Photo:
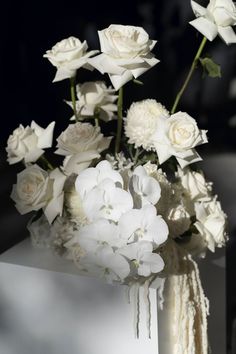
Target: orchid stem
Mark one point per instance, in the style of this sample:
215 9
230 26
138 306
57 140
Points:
73 96
119 120
190 73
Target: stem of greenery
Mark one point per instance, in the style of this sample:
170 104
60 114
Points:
119 120
190 73
73 96
46 162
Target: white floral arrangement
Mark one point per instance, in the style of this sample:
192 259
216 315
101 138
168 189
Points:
128 207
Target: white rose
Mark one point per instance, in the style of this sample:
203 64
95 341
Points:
95 98
36 189
195 184
28 143
81 137
67 56
126 53
142 122
81 143
177 136
216 19
211 223
178 221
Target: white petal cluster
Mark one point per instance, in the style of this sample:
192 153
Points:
126 53
142 121
81 143
149 125
217 19
67 56
28 144
95 98
121 238
211 223
37 189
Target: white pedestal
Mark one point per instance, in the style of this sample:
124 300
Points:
49 309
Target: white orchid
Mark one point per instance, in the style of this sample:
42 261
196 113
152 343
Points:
93 176
107 201
144 259
143 224
145 189
217 19
100 232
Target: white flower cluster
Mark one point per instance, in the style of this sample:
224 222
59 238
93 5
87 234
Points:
149 125
115 217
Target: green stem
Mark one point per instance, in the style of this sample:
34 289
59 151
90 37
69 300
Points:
119 120
46 162
190 73
73 96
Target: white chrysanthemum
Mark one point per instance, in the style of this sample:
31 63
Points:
142 120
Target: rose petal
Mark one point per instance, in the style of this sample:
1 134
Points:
227 34
198 9
205 27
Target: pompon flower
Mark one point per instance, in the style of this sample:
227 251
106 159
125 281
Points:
178 136
217 19
81 143
28 143
37 189
95 98
211 223
67 56
142 121
126 53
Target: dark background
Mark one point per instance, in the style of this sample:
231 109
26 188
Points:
29 28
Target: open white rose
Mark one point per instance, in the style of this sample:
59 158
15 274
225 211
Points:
27 144
67 56
177 136
37 189
142 121
81 143
95 98
217 19
126 53
211 223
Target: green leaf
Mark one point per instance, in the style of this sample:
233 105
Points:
210 67
138 82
